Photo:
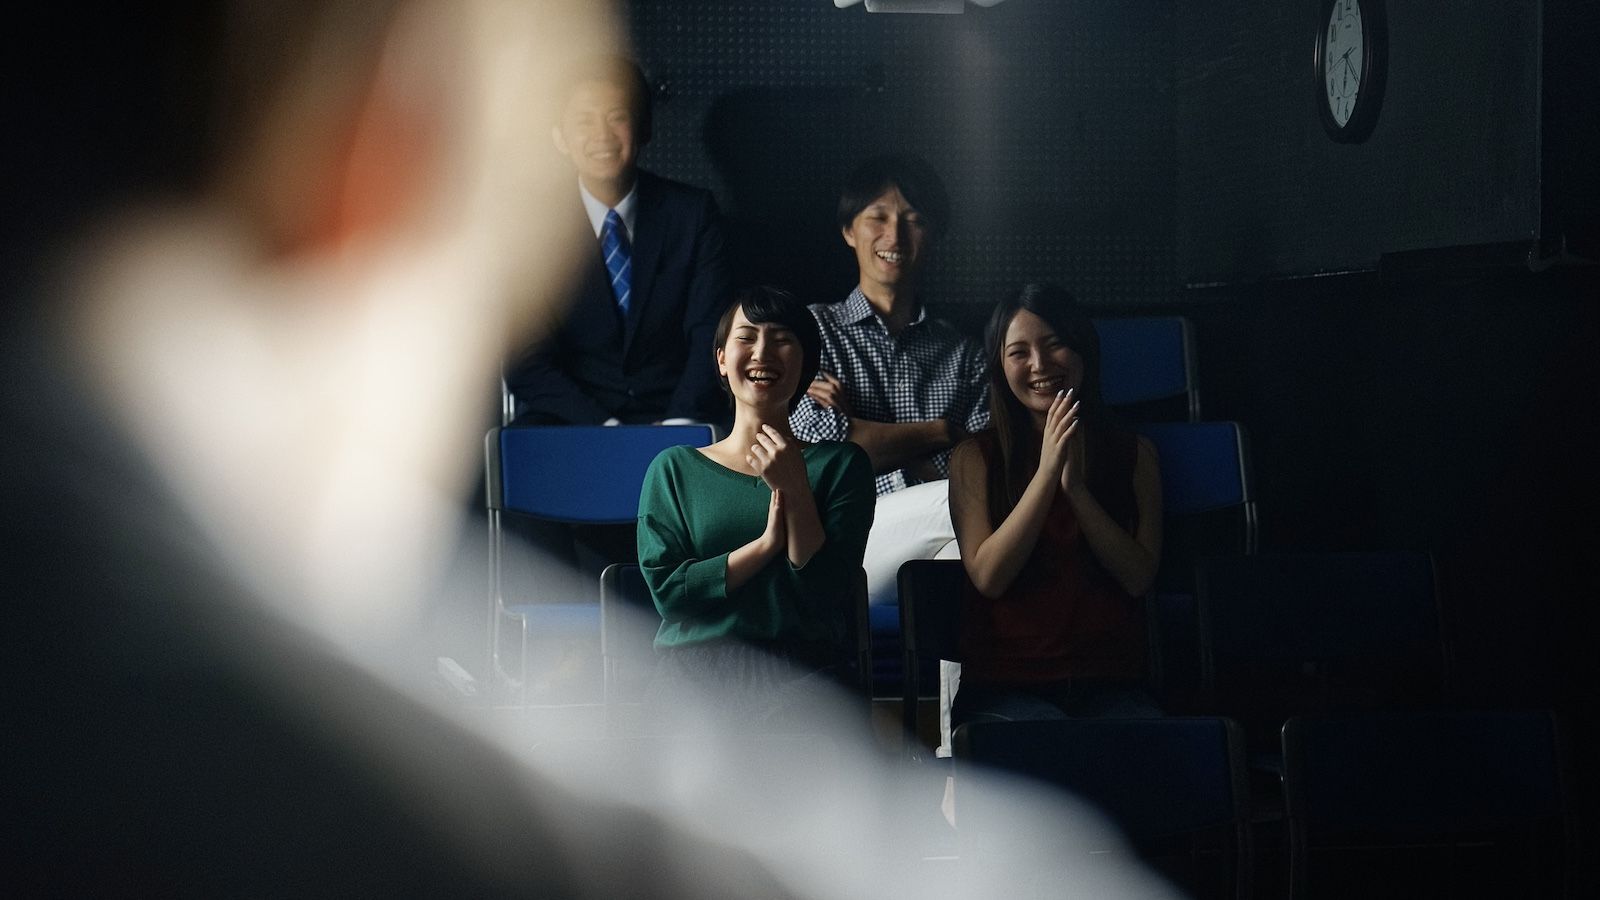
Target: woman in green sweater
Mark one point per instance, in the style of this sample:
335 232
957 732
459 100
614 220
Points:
752 546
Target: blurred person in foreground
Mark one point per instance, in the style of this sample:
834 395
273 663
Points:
229 470
230 475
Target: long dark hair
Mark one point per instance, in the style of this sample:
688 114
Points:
1012 423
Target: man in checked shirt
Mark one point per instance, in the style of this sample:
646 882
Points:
902 385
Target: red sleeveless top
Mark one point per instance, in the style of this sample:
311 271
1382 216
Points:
1064 616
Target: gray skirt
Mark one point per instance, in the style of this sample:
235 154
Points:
737 686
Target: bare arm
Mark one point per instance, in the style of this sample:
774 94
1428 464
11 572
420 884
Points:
895 445
1132 559
994 556
889 445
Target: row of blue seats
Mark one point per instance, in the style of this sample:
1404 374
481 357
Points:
593 475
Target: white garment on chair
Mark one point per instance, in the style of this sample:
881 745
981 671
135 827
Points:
949 683
913 523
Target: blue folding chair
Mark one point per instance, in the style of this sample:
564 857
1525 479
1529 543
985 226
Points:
1147 368
568 474
1175 787
1205 469
1209 507
1439 804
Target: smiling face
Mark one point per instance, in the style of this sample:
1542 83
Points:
762 364
1037 363
599 132
889 238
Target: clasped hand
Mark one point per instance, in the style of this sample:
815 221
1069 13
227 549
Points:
1061 455
777 460
781 465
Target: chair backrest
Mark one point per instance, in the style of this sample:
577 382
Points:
930 623
1404 781
1147 367
588 474
1207 497
1205 466
1159 780
571 474
1209 507
1292 633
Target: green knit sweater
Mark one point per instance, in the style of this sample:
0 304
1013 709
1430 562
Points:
693 512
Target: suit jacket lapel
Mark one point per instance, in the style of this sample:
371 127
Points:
648 238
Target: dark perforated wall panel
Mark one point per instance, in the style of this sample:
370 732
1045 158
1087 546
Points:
1051 123
1262 190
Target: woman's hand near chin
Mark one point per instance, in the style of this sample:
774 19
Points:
778 460
780 463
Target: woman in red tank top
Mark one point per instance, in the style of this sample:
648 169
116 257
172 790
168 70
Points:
1058 516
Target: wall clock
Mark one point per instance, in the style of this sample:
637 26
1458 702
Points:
1350 60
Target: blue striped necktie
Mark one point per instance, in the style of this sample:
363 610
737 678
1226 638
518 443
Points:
619 259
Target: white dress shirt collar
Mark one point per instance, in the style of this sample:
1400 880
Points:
627 209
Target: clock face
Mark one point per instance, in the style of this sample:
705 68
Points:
1350 55
1343 59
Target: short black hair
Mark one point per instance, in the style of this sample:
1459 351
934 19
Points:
624 73
916 179
766 305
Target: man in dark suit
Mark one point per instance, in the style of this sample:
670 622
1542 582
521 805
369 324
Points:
635 344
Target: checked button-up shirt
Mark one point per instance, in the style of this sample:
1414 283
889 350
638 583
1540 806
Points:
927 371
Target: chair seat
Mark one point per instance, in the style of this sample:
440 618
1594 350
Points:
888 656
1269 762
884 619
883 624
